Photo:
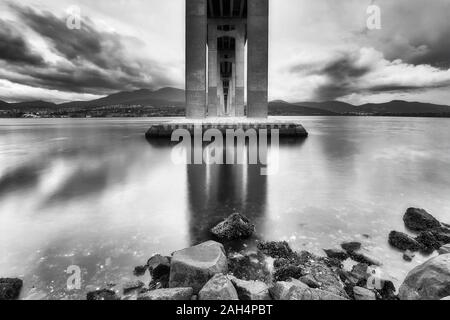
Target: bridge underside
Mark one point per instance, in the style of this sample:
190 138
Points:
225 27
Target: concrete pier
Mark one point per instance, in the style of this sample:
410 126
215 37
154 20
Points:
286 128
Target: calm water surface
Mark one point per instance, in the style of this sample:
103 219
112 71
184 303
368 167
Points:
96 194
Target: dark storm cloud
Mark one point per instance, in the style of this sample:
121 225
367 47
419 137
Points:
435 52
341 74
14 49
96 62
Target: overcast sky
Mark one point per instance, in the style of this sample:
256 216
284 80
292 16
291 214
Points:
319 50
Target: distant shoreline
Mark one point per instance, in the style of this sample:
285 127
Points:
113 116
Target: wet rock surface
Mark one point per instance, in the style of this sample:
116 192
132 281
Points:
234 227
429 281
403 242
291 265
194 267
218 288
249 266
338 254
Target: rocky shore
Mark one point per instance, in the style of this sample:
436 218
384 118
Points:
276 272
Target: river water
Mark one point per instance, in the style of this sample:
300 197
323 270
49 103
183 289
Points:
95 194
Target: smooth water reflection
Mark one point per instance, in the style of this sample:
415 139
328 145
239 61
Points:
96 194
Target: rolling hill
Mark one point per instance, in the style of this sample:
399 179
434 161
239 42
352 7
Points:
283 108
166 98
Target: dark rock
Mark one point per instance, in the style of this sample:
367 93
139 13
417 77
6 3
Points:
160 283
159 266
420 220
277 250
351 246
174 294
365 258
442 234
338 254
249 266
132 286
194 267
103 294
139 271
234 227
408 256
287 272
218 288
387 291
429 281
429 242
251 290
403 242
10 288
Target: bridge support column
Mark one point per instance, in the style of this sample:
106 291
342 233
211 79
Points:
240 72
196 36
258 58
213 100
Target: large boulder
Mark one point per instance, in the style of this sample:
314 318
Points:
10 288
181 294
218 288
403 242
420 220
234 227
429 281
194 267
251 290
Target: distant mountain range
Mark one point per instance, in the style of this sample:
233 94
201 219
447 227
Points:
172 97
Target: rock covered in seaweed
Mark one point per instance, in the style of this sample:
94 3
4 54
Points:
420 220
218 288
234 227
